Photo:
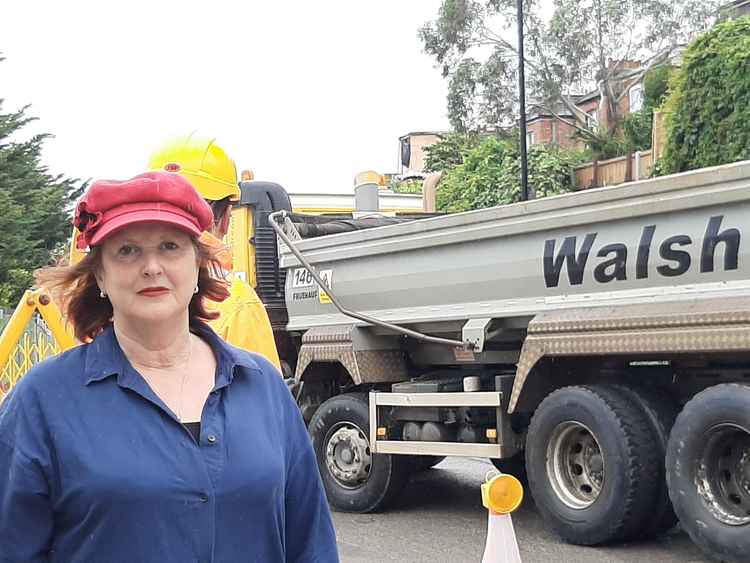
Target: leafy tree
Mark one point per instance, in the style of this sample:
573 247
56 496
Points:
637 126
35 207
709 107
490 175
408 186
587 45
656 85
449 151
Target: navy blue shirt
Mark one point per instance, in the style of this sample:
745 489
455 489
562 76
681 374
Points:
94 468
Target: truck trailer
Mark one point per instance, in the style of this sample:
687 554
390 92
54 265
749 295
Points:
596 342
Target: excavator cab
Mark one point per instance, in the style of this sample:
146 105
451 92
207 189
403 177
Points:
255 254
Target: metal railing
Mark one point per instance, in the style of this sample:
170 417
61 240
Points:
35 331
35 345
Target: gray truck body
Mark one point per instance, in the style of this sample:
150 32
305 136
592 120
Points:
559 337
670 239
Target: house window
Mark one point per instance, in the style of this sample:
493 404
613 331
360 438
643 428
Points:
636 98
592 118
530 138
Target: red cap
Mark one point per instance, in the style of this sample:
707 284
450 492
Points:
110 205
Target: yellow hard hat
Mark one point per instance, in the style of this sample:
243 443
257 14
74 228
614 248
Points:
203 162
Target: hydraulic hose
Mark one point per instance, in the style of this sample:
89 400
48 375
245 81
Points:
278 217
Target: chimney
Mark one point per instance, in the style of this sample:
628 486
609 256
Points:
366 191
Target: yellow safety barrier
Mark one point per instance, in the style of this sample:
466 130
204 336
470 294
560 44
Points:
23 343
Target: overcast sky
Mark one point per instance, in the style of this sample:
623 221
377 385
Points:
305 93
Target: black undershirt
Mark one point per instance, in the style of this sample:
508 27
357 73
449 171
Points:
194 428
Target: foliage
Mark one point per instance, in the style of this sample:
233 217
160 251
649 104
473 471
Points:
633 132
34 205
490 175
656 85
636 128
408 186
709 107
604 145
449 151
473 42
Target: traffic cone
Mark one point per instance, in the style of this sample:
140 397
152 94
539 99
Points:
501 495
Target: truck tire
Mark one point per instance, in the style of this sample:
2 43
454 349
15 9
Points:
708 470
355 480
591 464
661 411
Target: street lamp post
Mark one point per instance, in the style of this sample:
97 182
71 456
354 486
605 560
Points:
522 99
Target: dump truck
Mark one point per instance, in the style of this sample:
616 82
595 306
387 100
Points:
596 343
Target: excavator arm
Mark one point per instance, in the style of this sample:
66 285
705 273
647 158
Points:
20 346
19 349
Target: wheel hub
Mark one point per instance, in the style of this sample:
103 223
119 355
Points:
575 465
348 456
723 474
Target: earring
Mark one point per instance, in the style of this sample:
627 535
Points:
102 294
196 289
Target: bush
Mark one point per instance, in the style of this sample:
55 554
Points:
449 151
490 175
410 186
656 86
15 282
636 128
710 101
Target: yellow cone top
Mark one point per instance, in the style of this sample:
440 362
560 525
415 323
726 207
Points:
502 494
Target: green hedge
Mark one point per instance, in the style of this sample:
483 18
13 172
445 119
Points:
710 101
490 175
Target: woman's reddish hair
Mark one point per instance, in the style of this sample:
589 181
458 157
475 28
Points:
75 290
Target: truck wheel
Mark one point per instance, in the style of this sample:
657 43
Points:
591 464
708 470
355 479
661 411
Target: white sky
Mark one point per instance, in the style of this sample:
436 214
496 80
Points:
306 94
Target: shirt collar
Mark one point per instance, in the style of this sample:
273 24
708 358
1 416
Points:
105 358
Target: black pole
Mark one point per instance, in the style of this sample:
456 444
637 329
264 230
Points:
522 99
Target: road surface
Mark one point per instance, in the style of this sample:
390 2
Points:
440 518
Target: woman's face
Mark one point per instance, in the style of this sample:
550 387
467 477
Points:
149 272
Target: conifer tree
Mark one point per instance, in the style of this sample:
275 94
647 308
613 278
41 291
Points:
35 206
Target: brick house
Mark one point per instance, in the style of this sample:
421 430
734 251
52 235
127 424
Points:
412 155
544 128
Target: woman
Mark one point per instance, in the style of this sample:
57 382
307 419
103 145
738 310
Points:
155 441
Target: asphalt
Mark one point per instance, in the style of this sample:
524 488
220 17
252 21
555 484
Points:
440 518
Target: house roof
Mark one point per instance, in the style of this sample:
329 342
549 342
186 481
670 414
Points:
420 133
536 110
588 97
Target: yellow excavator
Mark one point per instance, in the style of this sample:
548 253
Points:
37 328
254 259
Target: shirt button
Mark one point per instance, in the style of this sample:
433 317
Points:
203 498
211 439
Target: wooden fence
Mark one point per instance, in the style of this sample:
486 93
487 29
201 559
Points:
636 166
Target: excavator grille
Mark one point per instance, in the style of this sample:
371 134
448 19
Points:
35 331
35 344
